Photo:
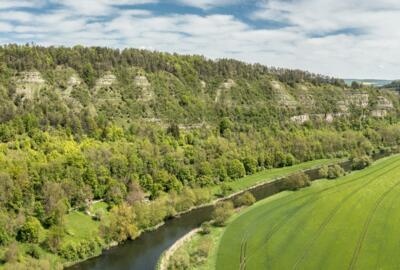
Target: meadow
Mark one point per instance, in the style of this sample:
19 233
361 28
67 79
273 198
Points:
348 223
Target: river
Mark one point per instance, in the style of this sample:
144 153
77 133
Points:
144 252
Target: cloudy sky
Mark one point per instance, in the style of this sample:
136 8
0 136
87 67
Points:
343 38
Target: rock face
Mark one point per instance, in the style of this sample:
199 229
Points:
106 81
300 119
382 107
143 83
358 99
225 86
74 80
28 83
379 113
384 104
282 96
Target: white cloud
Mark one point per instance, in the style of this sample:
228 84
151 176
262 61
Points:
319 35
205 4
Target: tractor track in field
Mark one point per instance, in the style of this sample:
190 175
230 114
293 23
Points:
278 225
330 216
334 187
396 159
243 250
364 232
385 229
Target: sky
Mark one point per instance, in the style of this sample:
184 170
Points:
340 38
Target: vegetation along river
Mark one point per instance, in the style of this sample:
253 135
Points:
144 252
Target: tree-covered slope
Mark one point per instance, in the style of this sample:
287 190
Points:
118 127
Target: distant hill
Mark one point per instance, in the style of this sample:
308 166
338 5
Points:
368 82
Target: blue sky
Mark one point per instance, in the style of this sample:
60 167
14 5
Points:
348 38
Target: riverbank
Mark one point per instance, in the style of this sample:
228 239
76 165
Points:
251 182
191 246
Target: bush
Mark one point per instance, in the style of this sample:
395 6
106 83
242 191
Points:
236 169
30 231
335 171
360 163
205 228
33 251
12 254
180 261
225 189
201 253
245 199
222 212
323 172
77 251
296 181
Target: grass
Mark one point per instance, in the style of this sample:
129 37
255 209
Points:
348 223
271 174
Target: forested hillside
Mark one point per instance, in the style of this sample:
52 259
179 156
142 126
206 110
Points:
121 127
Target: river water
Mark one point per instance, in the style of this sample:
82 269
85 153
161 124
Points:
144 252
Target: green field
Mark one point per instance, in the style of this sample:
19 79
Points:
349 223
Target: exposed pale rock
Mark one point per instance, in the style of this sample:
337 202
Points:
28 83
300 119
143 83
384 103
379 113
106 81
74 80
225 86
358 99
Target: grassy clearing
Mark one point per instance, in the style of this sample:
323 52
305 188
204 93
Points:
348 223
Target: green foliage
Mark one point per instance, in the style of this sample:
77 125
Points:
30 231
236 169
168 142
362 162
245 199
122 224
335 171
296 181
222 212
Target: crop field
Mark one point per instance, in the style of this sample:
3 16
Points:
349 223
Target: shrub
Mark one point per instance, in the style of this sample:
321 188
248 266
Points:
296 181
12 254
180 261
222 212
30 231
323 172
201 252
245 199
33 251
225 189
202 196
335 171
205 228
236 169
360 163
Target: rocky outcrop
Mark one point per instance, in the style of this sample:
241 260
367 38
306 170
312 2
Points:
282 96
379 113
358 99
106 81
29 82
143 83
300 119
225 86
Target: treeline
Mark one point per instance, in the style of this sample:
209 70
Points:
93 61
